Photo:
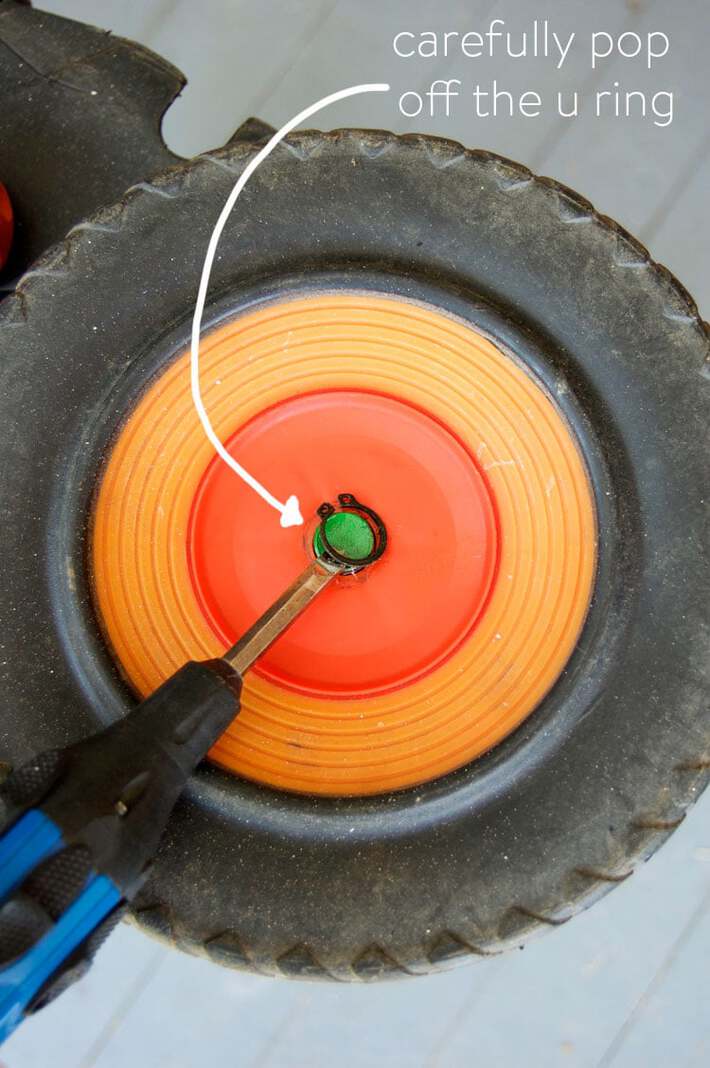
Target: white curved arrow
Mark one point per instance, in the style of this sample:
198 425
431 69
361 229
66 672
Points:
290 511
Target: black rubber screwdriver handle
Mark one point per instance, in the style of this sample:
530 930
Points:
116 790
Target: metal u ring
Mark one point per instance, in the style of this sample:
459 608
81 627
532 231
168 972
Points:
349 503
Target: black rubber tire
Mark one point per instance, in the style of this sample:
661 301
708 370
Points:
79 123
607 765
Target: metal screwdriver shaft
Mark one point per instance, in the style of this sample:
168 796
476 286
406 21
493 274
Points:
345 542
279 616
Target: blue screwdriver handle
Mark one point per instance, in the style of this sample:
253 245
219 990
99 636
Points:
30 841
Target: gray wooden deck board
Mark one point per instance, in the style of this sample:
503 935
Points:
626 167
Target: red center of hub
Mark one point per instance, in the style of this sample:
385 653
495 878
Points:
397 620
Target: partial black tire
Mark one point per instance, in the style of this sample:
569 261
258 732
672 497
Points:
80 122
607 765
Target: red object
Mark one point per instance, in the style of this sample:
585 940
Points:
6 225
395 622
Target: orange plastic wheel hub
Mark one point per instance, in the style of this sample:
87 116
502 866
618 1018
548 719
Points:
367 634
443 647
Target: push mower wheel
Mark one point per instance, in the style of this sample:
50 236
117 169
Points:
591 782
